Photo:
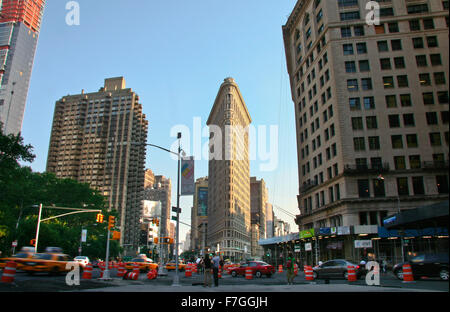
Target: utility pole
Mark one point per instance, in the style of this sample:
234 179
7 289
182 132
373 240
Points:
176 280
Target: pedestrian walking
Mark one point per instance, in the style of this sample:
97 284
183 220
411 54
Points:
207 270
216 263
290 269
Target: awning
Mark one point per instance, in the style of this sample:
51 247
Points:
423 217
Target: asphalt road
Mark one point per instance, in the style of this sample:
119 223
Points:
43 282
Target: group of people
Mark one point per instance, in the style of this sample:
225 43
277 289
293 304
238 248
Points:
208 263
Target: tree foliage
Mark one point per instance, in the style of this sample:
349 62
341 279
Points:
21 192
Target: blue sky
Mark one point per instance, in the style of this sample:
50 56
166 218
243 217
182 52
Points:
175 54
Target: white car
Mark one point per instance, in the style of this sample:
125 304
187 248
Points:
82 260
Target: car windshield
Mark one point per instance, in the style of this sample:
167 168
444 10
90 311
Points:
419 258
137 260
80 258
42 256
263 263
21 255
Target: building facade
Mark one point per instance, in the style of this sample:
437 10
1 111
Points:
161 191
199 216
20 23
269 221
371 108
149 179
258 203
229 224
91 142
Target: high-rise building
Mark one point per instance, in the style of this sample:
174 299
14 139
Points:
269 220
91 141
20 22
149 179
371 108
161 191
199 215
229 228
258 202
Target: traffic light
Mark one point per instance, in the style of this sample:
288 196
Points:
99 218
156 240
157 222
33 242
116 235
111 222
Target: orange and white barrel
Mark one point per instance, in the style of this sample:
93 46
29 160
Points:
308 273
87 272
280 268
248 274
351 273
407 274
9 272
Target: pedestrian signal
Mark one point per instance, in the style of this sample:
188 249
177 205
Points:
99 218
111 222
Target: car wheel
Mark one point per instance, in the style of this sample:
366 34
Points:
346 275
315 276
258 274
233 273
443 274
399 274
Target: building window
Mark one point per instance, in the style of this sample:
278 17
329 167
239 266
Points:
359 144
388 82
393 27
442 184
378 188
435 59
371 122
379 29
348 16
402 81
432 42
364 66
366 84
405 100
414 25
397 141
435 139
386 12
361 48
414 162
421 61
432 118
428 98
418 43
355 103
357 123
443 97
385 64
348 49
359 30
394 121
425 79
391 101
417 8
383 46
363 188
439 78
346 32
408 120
399 62
411 141
396 45
402 186
350 67
428 23
418 187
352 85
445 117
374 143
399 162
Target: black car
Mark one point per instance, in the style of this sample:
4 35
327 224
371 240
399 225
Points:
337 268
425 265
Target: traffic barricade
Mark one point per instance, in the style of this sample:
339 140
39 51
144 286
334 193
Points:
122 270
220 272
351 273
248 274
407 274
280 268
187 270
152 274
295 269
9 272
87 272
308 273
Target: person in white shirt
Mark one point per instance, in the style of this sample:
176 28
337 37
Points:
216 264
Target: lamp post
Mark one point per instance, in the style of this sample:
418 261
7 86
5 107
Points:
176 278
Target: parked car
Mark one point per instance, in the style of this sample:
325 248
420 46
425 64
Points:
425 265
259 268
53 263
145 264
337 268
82 260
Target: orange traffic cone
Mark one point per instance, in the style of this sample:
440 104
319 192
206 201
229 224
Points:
407 274
248 274
280 268
9 272
87 272
308 273
351 273
187 271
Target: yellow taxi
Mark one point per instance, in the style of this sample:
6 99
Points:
53 263
171 265
24 254
145 264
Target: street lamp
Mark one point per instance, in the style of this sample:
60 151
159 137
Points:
176 280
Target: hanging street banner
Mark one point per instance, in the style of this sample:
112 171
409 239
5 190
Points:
187 176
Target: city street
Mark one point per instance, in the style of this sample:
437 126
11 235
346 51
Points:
277 283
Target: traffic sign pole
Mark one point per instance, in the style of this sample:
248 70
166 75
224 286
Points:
106 272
